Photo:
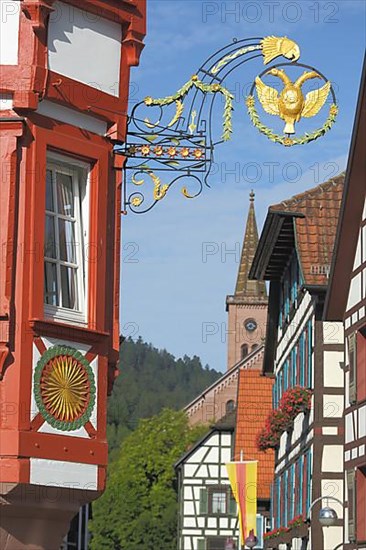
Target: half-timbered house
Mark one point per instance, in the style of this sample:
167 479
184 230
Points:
208 515
347 302
207 510
302 352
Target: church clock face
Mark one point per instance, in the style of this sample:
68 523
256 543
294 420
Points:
250 325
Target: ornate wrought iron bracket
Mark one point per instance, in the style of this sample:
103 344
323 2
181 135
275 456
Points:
172 139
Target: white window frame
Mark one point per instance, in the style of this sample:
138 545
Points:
80 173
222 494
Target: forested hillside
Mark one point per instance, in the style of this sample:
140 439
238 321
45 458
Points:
150 380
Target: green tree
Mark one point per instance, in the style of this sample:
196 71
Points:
149 380
139 508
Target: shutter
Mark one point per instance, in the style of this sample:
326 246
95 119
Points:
232 504
278 502
292 493
309 354
351 489
260 531
201 544
301 483
203 502
309 467
352 360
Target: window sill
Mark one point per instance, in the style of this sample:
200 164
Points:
56 329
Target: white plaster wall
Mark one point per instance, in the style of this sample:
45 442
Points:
189 470
354 292
189 522
293 331
330 430
213 471
202 471
6 100
334 488
9 32
71 116
333 536
85 47
295 435
358 255
213 441
187 493
333 333
213 455
63 474
349 430
188 509
332 459
333 372
197 456
333 406
362 422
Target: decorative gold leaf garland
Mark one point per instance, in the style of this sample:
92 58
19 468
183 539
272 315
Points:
225 60
205 88
284 140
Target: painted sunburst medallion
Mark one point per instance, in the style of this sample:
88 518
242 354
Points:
64 388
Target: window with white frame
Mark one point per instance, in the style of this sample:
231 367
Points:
66 223
218 501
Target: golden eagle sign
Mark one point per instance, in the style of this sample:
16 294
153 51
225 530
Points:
176 135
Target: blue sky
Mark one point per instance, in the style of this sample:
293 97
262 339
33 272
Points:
170 290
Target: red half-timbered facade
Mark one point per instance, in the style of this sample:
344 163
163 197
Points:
347 302
63 101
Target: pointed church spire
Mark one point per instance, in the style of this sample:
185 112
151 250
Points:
245 288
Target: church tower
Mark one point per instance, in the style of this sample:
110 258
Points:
247 308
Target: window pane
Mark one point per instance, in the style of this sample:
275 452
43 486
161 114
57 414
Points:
219 503
49 238
49 192
50 284
68 287
67 241
65 198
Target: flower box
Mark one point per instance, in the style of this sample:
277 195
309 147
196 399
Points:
294 401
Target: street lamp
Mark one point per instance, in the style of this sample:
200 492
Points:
327 516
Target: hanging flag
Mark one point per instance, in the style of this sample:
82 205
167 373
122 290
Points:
243 481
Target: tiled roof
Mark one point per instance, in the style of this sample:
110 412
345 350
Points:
315 232
253 407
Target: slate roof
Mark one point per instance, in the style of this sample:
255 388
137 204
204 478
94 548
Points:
254 405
